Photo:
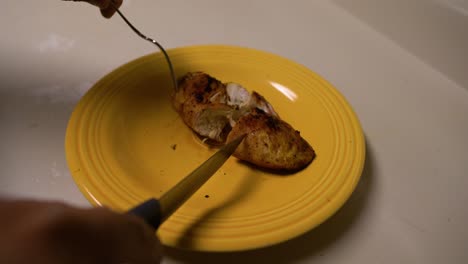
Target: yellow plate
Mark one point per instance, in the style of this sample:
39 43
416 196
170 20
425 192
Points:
125 143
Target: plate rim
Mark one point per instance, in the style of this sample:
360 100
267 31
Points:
361 147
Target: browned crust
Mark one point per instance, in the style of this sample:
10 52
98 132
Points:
271 142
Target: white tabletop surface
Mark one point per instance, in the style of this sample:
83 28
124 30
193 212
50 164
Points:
403 71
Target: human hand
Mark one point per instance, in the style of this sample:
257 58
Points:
107 10
53 233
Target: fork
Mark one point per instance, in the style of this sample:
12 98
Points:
161 48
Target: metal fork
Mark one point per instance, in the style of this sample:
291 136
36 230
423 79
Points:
171 69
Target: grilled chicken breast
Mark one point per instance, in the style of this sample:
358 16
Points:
221 112
201 102
270 142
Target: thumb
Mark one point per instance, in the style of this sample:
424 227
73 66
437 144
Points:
108 7
102 4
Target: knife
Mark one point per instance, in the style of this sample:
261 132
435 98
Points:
156 211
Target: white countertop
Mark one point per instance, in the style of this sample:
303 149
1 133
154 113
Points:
401 66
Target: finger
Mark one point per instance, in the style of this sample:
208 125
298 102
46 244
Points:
109 10
130 239
139 244
102 4
99 3
106 236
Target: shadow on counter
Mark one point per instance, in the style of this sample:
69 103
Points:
310 245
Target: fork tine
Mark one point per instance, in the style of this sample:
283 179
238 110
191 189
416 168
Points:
161 48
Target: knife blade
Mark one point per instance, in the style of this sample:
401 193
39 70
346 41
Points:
156 211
